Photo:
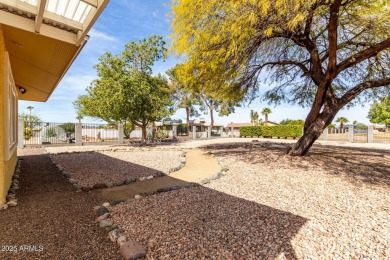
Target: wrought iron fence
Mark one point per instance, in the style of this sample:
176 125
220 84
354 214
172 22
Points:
382 135
39 133
99 133
360 135
337 134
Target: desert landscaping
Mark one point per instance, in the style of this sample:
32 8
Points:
332 203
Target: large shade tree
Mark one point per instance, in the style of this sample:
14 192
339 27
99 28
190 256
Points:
325 54
126 91
380 112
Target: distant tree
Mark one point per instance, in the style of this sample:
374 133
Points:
292 122
323 54
254 115
331 126
209 105
342 121
79 117
125 91
360 126
30 122
182 95
380 112
265 112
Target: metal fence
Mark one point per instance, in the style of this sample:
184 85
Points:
99 133
337 134
360 135
382 136
38 133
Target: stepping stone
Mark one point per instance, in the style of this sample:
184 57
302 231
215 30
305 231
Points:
132 250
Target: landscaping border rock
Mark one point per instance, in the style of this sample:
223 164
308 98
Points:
11 200
127 248
79 187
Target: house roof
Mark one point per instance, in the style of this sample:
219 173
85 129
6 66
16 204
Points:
237 125
272 123
43 38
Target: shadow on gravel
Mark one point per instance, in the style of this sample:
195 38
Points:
198 222
371 166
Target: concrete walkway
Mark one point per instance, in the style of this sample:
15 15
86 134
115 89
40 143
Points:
199 165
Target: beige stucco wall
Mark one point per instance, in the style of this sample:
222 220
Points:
6 167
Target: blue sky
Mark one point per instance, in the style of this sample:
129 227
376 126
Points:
123 21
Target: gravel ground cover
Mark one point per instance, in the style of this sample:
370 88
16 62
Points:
90 168
52 220
332 204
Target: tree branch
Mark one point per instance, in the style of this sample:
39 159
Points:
363 55
355 91
332 39
282 63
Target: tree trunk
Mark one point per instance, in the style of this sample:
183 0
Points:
144 133
312 132
188 119
266 118
211 118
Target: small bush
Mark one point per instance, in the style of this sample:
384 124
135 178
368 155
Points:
182 129
28 133
161 134
271 131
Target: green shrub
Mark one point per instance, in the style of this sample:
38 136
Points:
68 127
50 132
28 133
251 131
161 134
271 131
182 129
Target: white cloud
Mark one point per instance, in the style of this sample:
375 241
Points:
155 13
101 35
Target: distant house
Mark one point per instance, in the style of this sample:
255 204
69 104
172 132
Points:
237 126
233 129
270 123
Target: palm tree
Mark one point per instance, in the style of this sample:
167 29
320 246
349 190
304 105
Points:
254 117
342 121
266 111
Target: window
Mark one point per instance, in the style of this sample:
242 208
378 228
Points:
10 111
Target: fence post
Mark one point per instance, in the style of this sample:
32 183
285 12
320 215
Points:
20 132
209 132
350 133
78 133
120 133
231 132
174 128
221 130
325 134
193 132
370 134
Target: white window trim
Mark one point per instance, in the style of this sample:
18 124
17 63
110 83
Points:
10 111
